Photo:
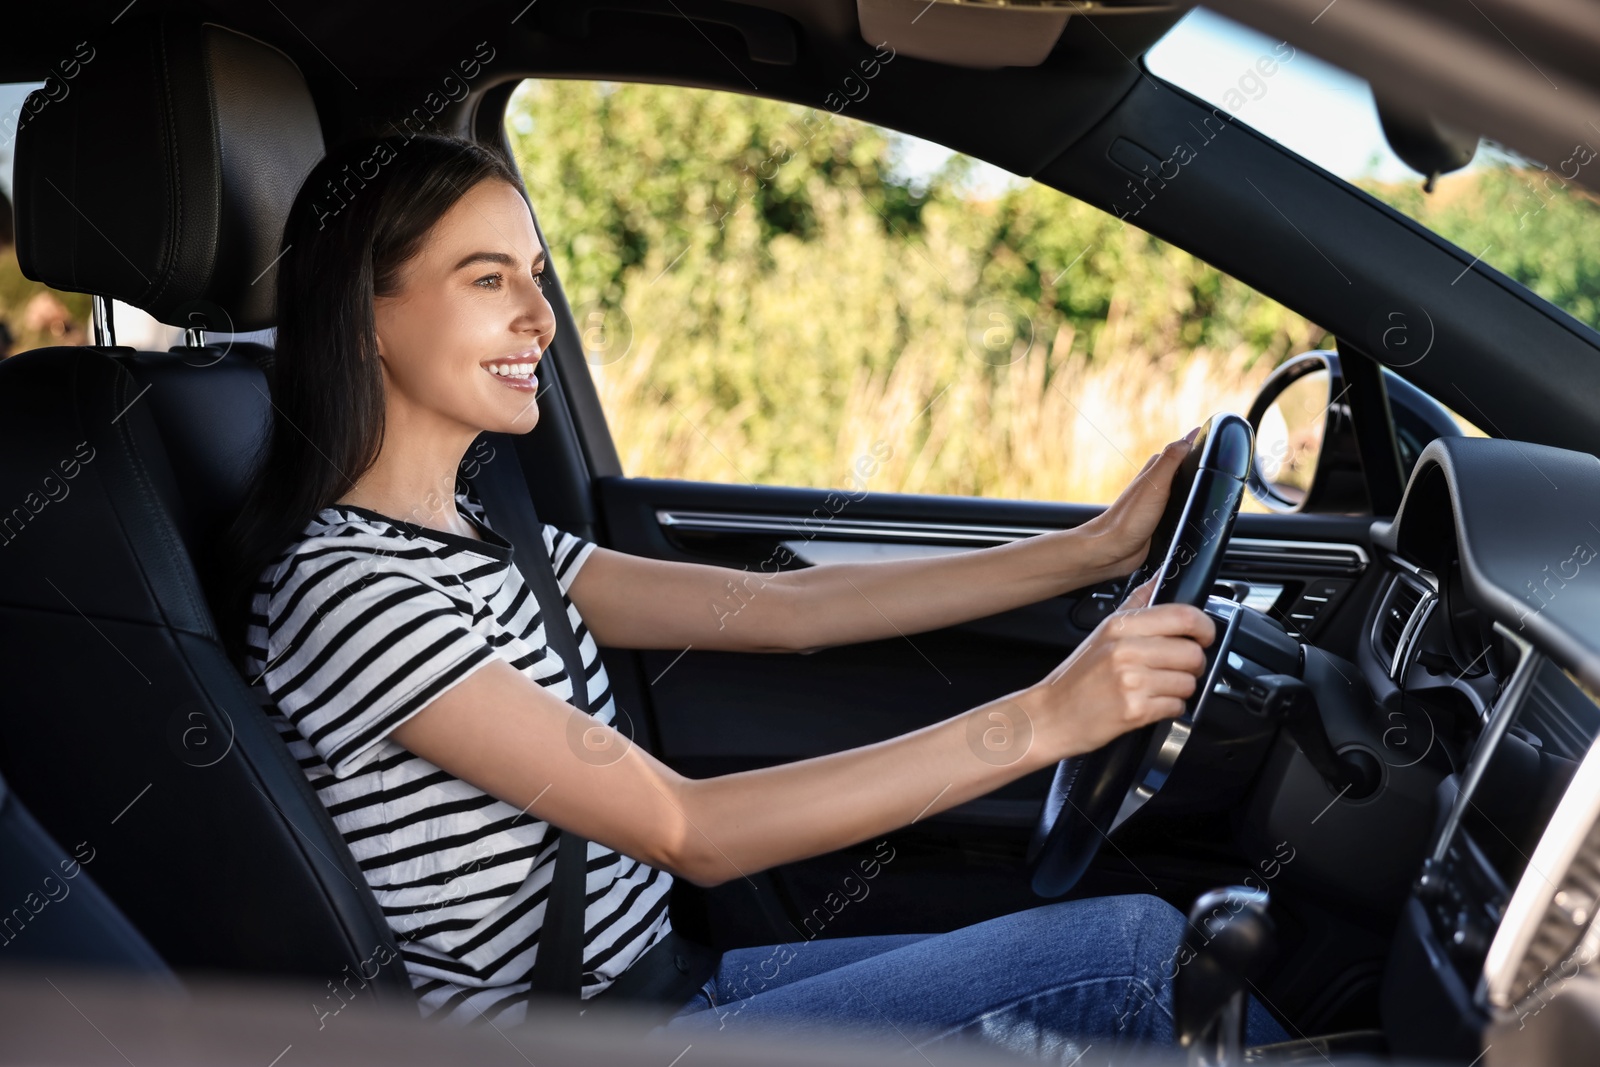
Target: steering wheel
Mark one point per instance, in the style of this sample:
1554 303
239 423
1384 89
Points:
1093 793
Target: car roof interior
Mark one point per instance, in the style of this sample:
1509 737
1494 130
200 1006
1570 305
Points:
367 64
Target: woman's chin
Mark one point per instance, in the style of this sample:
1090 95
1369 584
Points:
523 421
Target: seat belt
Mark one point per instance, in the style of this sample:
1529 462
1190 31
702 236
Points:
503 492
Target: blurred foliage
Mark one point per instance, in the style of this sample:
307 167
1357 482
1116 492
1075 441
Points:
765 294
1529 222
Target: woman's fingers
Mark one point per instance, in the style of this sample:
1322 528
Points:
1162 620
1165 462
1163 653
1140 596
1155 694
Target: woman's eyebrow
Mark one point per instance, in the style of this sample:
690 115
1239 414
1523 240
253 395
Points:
494 257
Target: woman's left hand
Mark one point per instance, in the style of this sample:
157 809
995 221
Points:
1121 533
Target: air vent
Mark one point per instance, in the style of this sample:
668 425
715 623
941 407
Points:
1398 617
1402 602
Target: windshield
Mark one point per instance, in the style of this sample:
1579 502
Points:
1529 220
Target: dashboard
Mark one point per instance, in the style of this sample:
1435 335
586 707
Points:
1484 645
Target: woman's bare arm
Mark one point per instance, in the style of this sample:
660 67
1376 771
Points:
504 733
633 602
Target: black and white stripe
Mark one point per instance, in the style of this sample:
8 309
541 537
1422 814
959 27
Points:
358 626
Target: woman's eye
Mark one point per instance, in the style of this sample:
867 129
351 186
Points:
495 278
541 278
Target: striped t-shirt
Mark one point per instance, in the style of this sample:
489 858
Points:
358 626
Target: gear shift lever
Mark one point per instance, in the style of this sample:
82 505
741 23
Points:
1229 942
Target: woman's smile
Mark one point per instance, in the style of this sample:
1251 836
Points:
516 371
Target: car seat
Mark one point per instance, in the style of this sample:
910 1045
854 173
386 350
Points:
163 180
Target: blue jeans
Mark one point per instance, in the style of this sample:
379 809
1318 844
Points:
1050 982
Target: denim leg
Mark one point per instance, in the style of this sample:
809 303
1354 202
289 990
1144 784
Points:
1050 982
744 972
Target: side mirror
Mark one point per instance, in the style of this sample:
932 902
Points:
1306 457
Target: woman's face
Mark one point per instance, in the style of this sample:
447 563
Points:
470 299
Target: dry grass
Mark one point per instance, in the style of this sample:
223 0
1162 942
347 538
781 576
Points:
1001 432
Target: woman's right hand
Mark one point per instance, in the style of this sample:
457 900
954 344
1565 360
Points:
1140 665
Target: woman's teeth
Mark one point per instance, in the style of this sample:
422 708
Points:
518 376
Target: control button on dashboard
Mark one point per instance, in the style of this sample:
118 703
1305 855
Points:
1314 600
1091 610
1326 588
1430 883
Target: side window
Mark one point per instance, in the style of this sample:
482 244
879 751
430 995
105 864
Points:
781 295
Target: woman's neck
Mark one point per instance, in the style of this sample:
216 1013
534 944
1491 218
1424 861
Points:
414 475
447 519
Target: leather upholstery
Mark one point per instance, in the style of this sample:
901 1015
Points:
125 724
57 912
206 135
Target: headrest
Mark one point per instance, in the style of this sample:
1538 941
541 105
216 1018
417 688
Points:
164 175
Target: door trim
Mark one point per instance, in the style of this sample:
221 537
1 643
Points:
1342 555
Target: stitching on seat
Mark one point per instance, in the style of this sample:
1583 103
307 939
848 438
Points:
147 498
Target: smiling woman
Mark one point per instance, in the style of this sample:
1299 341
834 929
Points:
402 658
361 579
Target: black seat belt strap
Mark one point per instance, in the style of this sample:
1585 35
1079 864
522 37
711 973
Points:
500 487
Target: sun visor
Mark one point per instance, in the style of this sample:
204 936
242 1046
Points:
983 34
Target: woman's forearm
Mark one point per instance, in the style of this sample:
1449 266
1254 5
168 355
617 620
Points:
842 603
737 824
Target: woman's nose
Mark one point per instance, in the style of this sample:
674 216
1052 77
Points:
540 315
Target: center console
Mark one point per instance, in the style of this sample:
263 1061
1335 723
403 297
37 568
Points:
1502 910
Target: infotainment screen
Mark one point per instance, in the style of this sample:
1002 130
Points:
1529 769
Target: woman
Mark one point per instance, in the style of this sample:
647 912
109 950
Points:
369 595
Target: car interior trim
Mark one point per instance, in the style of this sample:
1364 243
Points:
1510 699
1537 917
1570 832
1351 556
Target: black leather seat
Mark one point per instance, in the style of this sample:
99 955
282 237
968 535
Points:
57 912
162 180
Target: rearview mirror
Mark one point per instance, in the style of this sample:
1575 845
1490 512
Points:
1423 143
1306 456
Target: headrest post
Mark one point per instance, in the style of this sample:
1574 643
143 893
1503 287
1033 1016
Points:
194 337
105 333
